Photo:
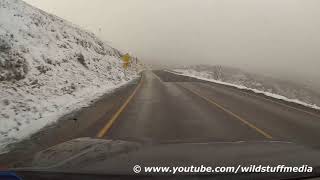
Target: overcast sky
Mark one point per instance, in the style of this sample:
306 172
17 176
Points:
280 37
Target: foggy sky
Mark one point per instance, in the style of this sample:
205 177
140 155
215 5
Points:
273 37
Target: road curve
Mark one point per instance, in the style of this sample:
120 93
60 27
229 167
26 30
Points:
169 107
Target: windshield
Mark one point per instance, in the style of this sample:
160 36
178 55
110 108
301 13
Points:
171 87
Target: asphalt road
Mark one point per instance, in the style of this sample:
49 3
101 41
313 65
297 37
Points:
85 122
169 107
164 107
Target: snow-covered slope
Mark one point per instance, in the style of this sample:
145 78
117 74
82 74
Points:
275 88
49 67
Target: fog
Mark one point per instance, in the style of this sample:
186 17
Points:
273 37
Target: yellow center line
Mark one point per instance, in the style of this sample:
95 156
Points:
279 103
109 124
231 113
298 109
156 76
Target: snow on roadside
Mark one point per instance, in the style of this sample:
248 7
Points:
49 67
84 99
202 76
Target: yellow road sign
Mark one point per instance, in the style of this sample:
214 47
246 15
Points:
126 58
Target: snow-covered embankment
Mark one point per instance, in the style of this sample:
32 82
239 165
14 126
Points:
243 81
49 67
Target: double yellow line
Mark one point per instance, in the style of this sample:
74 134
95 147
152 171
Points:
109 124
231 113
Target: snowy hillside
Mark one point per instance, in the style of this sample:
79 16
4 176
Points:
276 88
49 67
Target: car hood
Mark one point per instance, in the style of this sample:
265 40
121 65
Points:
119 157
